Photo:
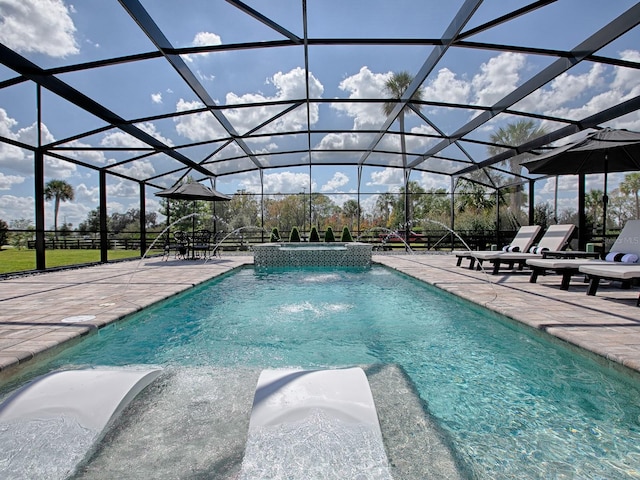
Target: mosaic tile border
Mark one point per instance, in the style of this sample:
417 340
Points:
312 254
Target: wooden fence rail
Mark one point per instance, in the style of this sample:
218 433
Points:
429 241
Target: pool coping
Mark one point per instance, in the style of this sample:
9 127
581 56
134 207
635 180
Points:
34 308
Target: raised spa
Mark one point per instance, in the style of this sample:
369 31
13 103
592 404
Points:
338 254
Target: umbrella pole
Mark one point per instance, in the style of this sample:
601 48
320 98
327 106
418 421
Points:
555 202
605 201
193 230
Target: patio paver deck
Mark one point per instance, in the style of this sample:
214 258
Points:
35 309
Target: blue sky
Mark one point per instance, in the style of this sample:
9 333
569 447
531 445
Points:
55 32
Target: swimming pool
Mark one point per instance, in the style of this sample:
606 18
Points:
509 404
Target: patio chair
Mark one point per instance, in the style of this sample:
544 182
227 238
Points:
621 272
177 243
568 265
521 243
200 244
556 238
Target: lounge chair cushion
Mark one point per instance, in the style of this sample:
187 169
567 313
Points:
538 250
511 248
612 270
621 257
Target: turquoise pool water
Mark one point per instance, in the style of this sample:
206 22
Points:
512 404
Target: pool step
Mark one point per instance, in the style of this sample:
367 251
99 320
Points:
314 424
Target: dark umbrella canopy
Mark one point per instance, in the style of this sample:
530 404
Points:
192 191
602 151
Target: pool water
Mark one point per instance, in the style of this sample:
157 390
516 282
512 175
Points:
511 403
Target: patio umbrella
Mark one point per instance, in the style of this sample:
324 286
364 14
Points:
193 191
602 151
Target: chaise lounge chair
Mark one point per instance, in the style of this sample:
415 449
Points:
621 272
521 243
556 238
628 241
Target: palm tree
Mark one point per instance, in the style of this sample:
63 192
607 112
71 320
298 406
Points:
631 184
59 191
395 87
593 204
513 135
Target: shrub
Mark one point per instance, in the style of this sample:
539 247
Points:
346 235
275 235
313 235
328 235
294 236
4 227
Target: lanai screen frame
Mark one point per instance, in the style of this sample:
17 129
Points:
454 36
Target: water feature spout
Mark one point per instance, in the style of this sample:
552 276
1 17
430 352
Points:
388 234
236 231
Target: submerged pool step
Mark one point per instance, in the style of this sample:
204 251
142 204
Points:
314 424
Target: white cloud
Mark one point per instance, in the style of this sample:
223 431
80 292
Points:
338 180
13 207
432 181
156 97
124 189
340 200
10 156
90 156
7 181
290 85
345 141
57 168
29 135
202 39
387 177
124 140
197 126
205 77
447 88
41 26
497 77
282 182
54 167
364 84
562 90
626 78
139 169
84 193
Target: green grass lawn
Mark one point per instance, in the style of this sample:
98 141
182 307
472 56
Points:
14 260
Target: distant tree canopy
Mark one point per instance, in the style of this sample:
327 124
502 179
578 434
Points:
474 209
118 222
